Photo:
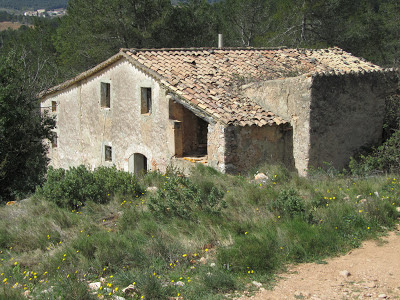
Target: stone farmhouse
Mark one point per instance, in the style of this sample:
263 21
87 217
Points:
232 109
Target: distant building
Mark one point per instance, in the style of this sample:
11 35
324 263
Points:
43 13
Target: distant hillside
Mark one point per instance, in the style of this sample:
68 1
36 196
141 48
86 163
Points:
32 4
49 4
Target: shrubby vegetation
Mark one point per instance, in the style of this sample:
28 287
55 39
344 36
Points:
74 187
179 196
153 239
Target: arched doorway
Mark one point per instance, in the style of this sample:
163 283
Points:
138 164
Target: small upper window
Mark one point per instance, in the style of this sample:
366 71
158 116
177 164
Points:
105 100
146 101
54 106
107 153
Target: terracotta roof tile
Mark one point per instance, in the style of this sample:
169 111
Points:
210 79
207 78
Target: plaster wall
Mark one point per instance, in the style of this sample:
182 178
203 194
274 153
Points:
347 113
84 127
289 98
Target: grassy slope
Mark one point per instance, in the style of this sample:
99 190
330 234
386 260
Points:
159 239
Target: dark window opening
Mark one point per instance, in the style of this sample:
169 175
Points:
105 100
145 101
54 106
107 153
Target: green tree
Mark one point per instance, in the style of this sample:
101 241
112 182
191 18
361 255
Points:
244 21
189 24
94 30
23 159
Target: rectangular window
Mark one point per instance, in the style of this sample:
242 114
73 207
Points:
107 153
146 101
105 100
54 106
54 141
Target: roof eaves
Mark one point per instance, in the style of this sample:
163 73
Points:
177 97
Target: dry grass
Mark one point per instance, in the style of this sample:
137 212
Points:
9 25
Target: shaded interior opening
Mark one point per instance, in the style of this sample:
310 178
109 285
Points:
190 131
138 164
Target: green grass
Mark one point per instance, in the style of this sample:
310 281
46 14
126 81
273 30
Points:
213 233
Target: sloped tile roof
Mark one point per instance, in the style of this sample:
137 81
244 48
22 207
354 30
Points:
210 79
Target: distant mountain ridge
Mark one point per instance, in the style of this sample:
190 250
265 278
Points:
49 4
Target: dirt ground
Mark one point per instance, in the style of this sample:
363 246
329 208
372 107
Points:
369 272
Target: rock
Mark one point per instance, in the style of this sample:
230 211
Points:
257 284
371 285
344 273
212 265
152 189
129 288
203 260
94 286
376 194
302 295
398 209
49 290
179 283
368 295
382 296
261 177
298 294
102 280
118 298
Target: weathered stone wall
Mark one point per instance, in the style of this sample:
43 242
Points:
250 146
347 113
216 146
289 98
84 127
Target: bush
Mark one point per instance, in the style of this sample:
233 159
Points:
289 203
72 188
385 158
180 197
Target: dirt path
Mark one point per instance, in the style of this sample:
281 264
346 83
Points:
374 274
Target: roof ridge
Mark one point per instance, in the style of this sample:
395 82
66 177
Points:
200 49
